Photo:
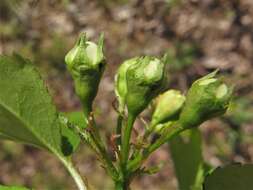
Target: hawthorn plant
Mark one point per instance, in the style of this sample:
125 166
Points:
27 114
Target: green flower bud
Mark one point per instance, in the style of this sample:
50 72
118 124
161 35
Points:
208 97
160 128
120 82
144 81
86 64
168 107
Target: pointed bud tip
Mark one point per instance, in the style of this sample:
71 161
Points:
82 39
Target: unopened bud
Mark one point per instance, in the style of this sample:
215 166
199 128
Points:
168 107
121 83
144 81
208 97
86 64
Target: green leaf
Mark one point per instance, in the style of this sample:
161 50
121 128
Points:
76 118
12 188
26 111
186 154
2 136
231 177
28 115
70 139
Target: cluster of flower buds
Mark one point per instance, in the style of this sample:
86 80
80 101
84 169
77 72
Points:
208 97
138 81
86 64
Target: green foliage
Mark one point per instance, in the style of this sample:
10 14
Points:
21 85
75 118
27 114
25 117
70 140
232 177
12 188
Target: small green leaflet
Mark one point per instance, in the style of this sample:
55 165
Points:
76 118
12 188
27 113
70 139
231 177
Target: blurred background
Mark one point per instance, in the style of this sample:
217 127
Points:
199 35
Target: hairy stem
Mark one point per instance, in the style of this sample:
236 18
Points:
74 173
126 140
164 138
119 128
97 140
86 111
142 156
148 132
119 185
108 163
